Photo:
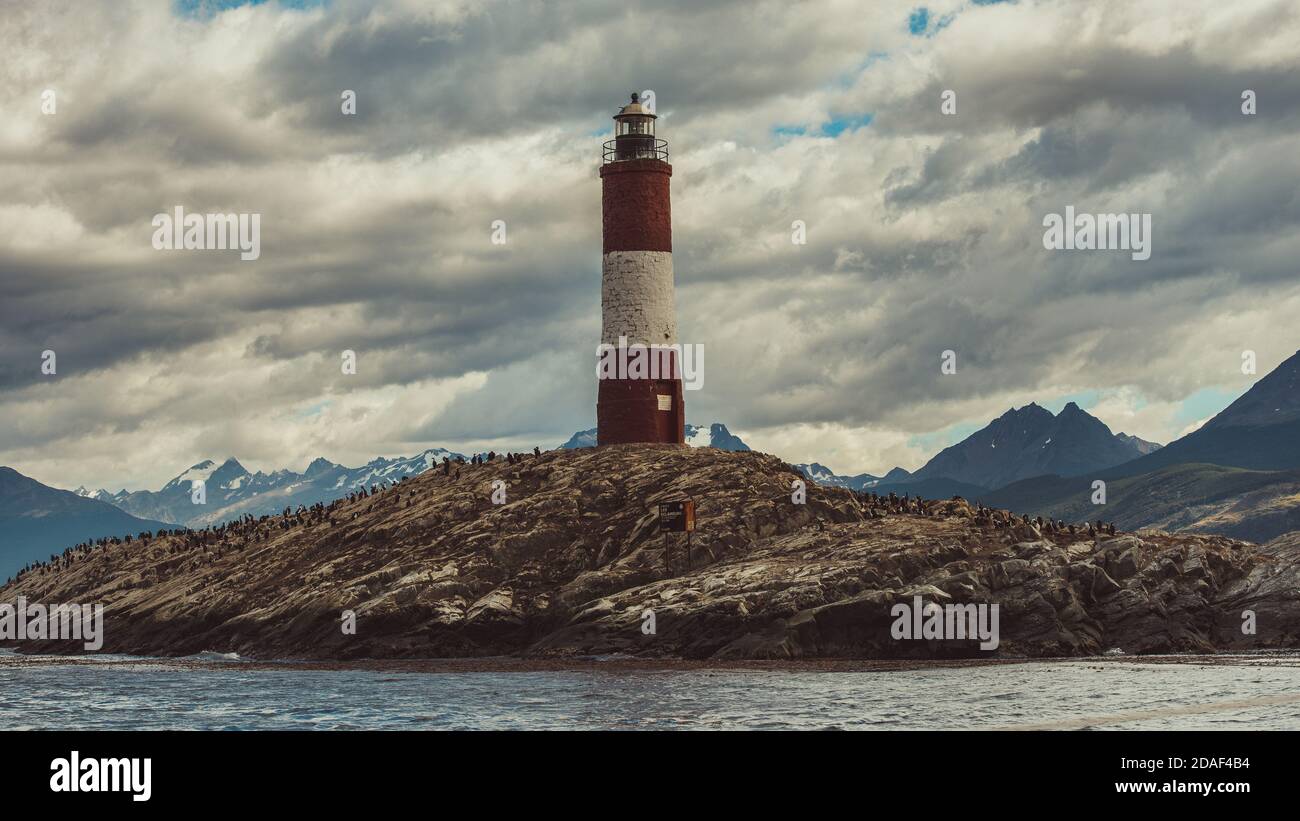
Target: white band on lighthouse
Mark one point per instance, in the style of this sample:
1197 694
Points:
636 295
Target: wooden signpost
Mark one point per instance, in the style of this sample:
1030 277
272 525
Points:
677 516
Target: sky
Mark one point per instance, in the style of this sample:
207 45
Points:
924 228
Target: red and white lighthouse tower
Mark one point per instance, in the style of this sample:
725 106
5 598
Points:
636 291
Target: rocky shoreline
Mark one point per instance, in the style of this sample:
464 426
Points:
618 665
572 561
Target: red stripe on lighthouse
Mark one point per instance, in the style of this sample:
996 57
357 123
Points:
635 206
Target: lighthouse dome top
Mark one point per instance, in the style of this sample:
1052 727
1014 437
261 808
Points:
635 107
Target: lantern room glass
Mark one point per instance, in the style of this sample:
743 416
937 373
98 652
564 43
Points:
635 125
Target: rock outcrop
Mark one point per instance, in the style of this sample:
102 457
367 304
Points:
573 563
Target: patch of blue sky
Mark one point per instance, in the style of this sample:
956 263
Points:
831 128
918 20
932 443
847 122
921 23
1205 403
839 124
207 8
1201 404
313 410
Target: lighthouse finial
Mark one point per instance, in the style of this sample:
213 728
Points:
636 98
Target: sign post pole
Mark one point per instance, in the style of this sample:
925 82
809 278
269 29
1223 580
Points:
677 516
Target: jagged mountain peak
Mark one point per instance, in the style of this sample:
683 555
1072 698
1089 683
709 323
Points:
1030 441
1033 409
318 466
715 435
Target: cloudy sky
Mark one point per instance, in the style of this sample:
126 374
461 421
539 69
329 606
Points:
924 229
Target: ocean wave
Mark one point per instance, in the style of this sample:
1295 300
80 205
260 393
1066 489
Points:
213 655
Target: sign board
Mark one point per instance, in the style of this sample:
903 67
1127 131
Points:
665 401
677 517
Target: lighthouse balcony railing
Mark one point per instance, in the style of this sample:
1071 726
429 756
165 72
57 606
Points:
639 150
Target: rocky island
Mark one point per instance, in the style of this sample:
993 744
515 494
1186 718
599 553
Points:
567 559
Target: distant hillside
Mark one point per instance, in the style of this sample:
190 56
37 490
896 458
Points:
1243 504
897 481
37 521
937 488
1256 447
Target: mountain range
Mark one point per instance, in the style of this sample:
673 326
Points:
1237 475
1020 444
823 475
231 491
1030 441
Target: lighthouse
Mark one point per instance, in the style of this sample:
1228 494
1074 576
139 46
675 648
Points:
638 313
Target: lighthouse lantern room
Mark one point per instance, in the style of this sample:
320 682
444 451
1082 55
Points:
634 135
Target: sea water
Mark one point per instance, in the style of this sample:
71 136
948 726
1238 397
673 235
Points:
223 693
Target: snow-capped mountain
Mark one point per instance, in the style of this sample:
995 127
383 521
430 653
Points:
99 495
231 491
714 435
581 439
823 475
